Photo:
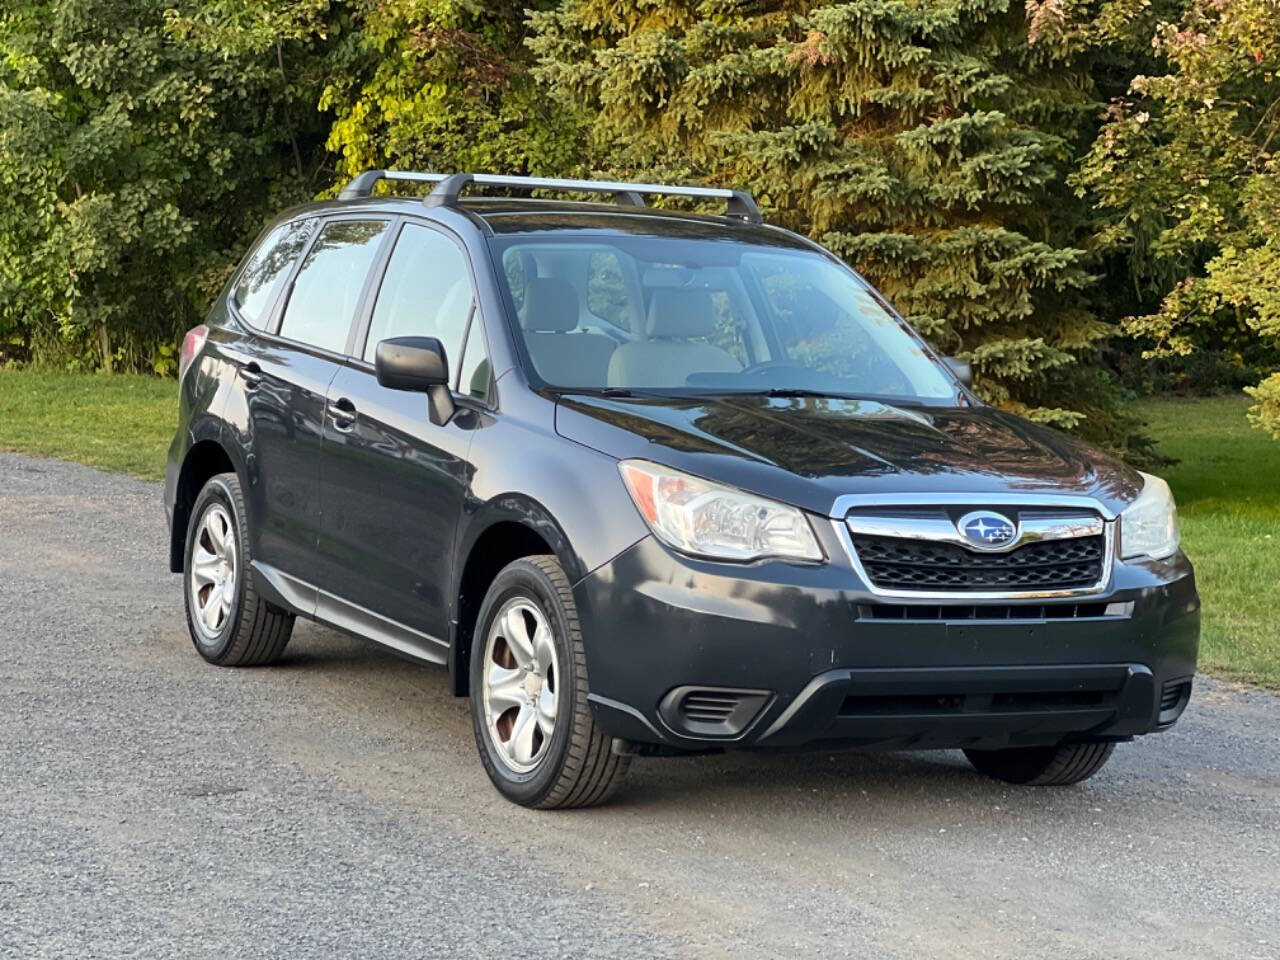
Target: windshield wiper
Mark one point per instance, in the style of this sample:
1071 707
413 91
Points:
803 392
613 393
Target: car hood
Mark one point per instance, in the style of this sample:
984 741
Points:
808 451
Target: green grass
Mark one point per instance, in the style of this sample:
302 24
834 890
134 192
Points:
120 422
1227 484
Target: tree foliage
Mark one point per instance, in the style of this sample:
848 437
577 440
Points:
443 85
1187 178
960 153
137 164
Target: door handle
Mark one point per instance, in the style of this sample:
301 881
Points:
343 413
251 374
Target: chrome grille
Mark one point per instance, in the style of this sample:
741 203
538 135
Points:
896 564
927 550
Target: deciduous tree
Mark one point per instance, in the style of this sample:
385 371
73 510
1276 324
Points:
1187 175
136 161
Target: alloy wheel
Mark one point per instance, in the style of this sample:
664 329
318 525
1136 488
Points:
213 572
520 684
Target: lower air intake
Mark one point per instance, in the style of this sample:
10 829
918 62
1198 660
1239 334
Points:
712 712
1174 697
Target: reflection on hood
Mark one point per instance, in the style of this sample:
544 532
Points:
807 451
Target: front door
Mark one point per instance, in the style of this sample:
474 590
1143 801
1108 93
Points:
393 482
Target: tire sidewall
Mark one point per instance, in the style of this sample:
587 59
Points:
217 491
523 579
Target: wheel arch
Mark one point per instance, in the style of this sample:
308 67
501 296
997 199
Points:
506 529
205 458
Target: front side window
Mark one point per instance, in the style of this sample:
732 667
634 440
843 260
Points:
709 316
327 289
426 292
265 273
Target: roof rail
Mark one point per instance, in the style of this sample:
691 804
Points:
449 187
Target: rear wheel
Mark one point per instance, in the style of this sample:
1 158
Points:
230 625
1064 764
537 738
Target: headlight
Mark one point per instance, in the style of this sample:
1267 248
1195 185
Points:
1149 525
709 520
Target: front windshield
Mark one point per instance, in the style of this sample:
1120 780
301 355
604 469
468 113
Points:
685 316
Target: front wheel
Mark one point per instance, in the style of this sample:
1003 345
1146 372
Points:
533 726
1057 766
230 625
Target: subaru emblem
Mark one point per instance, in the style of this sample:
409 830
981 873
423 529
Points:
987 530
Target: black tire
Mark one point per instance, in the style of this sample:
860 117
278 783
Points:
577 769
1057 766
253 632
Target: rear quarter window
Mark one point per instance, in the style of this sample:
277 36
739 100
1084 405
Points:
264 275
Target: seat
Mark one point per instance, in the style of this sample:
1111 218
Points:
676 316
561 356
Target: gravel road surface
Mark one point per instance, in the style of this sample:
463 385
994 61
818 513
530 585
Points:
333 806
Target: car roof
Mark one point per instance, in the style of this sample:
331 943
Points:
526 216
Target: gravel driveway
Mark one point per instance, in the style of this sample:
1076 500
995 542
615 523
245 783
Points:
333 806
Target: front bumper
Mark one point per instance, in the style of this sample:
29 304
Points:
793 654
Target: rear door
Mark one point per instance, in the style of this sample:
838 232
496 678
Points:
393 482
286 375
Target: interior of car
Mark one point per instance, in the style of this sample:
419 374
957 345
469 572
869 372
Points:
608 314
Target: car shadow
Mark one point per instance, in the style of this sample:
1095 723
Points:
883 778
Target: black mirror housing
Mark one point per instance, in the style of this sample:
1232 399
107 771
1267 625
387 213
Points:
419 365
960 369
411 363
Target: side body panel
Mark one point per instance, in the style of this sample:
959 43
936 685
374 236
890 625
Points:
275 422
391 494
202 399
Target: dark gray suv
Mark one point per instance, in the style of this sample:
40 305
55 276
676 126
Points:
654 483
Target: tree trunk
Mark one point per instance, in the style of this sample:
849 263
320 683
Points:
104 344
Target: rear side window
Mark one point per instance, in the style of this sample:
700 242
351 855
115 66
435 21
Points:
426 292
268 268
327 289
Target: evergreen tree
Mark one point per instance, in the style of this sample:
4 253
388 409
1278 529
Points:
926 141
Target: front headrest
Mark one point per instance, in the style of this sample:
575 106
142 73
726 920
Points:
681 313
550 305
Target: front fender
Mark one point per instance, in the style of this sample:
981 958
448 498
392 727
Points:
522 509
570 494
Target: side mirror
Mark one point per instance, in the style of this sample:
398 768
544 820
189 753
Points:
960 369
419 365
